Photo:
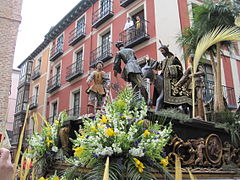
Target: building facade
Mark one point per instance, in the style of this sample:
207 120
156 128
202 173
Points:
12 102
88 34
10 18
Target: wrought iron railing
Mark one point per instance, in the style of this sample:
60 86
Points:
36 72
76 35
228 93
125 3
24 79
56 51
52 118
53 83
135 35
102 14
74 112
33 102
101 53
74 70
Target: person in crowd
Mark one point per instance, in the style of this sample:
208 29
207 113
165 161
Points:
6 166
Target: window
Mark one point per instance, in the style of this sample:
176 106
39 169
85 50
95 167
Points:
105 7
59 46
106 43
36 92
76 103
57 73
209 82
79 57
54 111
80 25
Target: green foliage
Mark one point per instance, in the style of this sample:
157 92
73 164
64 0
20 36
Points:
122 132
209 16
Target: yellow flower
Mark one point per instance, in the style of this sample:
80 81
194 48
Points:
94 129
49 131
110 132
104 119
100 126
139 165
56 178
49 141
78 151
146 133
56 122
164 162
140 122
42 178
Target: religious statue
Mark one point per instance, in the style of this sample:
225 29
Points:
186 83
132 71
199 151
98 90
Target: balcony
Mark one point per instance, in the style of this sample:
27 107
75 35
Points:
74 70
102 53
56 52
125 3
228 94
52 118
76 35
36 73
73 113
33 102
132 36
25 80
102 14
53 83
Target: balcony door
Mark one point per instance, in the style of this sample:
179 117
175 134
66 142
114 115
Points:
59 46
80 26
76 103
57 75
78 63
106 44
209 82
54 111
36 93
105 7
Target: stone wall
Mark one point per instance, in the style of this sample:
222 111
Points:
10 19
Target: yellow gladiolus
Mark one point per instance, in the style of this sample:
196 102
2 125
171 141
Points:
94 129
56 122
164 162
56 178
42 178
100 126
139 165
140 122
146 133
78 151
104 119
49 141
110 132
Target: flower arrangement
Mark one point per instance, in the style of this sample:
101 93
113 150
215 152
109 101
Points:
123 134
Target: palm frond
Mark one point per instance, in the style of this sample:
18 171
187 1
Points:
106 171
213 37
178 170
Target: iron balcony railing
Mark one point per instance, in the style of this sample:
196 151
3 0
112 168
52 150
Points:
73 113
102 53
52 118
53 83
134 36
33 102
102 14
228 94
24 80
74 70
56 51
76 35
125 3
36 72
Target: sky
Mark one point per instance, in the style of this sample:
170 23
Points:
38 16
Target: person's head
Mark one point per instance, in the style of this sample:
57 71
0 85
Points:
165 51
99 65
190 59
138 18
129 18
119 44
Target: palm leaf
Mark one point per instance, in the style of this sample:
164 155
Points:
20 144
178 170
106 171
191 175
213 37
